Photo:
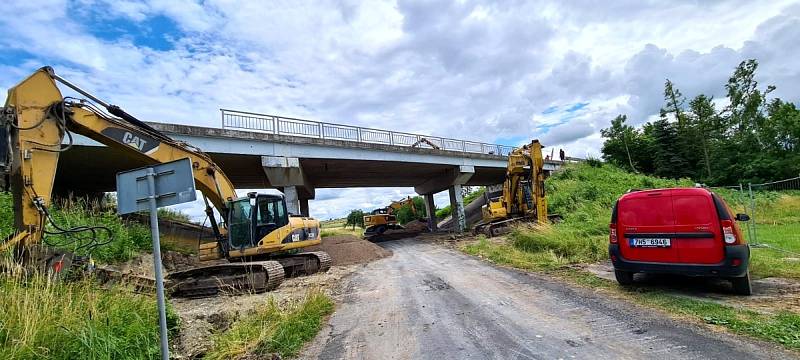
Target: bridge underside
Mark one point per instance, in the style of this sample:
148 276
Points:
87 169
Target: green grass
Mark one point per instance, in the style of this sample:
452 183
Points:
42 319
336 227
584 195
777 225
129 238
174 215
274 329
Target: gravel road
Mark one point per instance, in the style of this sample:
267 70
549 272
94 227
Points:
430 302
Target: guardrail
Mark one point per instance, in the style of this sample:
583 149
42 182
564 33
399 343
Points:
233 119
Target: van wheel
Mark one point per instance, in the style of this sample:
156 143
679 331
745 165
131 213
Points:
741 285
624 277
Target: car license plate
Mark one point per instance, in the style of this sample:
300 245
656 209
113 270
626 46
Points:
654 242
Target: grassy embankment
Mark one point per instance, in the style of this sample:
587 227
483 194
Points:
584 196
336 227
43 319
274 329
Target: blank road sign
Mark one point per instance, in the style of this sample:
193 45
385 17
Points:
174 184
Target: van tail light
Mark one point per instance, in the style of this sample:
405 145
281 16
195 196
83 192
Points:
612 234
728 233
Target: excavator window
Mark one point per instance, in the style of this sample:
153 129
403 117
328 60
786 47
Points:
239 223
271 215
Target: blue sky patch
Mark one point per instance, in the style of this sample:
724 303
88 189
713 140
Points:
550 110
512 141
576 107
154 32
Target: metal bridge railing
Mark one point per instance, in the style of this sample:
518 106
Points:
233 119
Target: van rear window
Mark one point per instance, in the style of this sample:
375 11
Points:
693 209
646 211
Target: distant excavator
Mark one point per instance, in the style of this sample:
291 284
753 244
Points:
382 219
257 234
523 197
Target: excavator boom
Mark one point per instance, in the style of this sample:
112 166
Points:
34 124
42 118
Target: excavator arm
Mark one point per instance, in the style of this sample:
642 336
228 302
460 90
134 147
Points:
36 120
523 197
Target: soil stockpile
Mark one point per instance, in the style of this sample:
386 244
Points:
417 226
348 249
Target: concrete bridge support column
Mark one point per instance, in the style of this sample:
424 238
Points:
292 200
285 173
304 207
457 207
430 208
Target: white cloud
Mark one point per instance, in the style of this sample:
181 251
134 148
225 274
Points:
470 69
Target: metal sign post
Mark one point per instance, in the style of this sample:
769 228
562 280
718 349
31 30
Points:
148 189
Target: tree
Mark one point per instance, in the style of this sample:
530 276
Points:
753 139
355 218
616 148
405 214
686 144
669 162
704 117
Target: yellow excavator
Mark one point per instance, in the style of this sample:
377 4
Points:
382 219
523 197
257 235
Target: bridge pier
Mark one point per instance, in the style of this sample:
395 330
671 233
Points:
430 209
292 200
304 207
457 207
451 180
286 174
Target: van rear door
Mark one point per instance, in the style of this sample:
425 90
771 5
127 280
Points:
645 221
698 237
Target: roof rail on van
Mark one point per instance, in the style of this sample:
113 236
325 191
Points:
632 190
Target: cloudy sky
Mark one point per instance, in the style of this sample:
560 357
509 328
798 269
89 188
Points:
503 71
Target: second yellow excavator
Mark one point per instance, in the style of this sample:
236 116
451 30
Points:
257 234
382 219
523 197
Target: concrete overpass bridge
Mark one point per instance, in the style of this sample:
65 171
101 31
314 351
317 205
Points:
298 156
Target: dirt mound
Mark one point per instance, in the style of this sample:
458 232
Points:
348 249
416 226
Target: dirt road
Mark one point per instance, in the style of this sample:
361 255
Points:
430 302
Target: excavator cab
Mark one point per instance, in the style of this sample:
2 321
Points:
254 217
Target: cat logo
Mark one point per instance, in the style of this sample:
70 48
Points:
140 142
134 141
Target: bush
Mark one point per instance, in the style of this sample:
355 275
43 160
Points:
126 241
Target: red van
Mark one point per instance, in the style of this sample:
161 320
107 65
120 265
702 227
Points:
688 231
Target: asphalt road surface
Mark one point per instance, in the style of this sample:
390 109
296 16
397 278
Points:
430 302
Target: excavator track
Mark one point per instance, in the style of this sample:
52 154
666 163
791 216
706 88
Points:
233 278
305 263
